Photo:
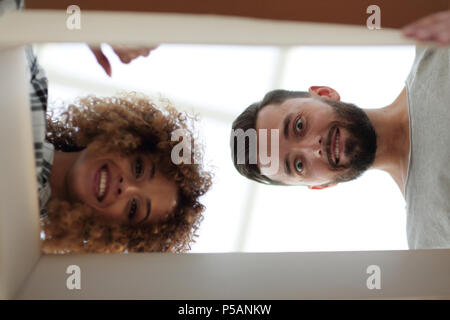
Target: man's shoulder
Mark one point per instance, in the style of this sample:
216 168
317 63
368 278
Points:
428 184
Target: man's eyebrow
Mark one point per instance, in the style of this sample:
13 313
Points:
286 122
287 167
149 208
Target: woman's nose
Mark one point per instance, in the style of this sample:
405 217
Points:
124 186
120 186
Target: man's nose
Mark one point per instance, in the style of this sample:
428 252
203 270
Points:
317 147
313 146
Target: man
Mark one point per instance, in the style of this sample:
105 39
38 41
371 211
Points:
322 141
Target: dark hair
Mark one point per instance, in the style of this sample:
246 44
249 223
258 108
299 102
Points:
247 120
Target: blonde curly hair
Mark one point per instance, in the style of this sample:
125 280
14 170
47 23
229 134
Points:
125 124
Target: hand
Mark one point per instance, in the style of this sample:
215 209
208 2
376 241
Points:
126 54
435 27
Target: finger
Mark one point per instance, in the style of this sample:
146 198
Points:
443 37
126 58
146 52
131 47
432 32
125 55
101 59
426 22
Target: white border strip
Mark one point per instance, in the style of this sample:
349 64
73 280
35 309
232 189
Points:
19 214
307 275
154 28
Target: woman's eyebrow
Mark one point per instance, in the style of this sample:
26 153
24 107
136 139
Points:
149 209
152 171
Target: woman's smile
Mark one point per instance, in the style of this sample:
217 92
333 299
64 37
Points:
102 183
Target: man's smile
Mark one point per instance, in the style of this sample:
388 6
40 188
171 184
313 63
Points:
336 146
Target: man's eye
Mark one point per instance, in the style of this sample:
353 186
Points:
299 166
133 210
298 125
139 167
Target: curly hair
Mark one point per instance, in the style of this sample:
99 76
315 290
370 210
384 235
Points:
125 124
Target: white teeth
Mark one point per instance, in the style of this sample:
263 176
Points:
102 183
336 146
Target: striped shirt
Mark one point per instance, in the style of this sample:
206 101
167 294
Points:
43 150
38 91
10 5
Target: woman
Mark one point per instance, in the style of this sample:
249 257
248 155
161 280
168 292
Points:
114 186
106 179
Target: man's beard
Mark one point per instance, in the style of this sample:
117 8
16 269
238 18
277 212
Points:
360 146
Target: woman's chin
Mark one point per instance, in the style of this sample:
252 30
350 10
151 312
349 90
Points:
77 194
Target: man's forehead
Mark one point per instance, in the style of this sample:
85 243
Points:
277 111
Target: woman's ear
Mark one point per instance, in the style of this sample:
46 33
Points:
325 92
324 186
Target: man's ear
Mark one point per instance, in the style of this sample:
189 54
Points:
324 186
323 91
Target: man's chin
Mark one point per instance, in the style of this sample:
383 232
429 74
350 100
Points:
349 176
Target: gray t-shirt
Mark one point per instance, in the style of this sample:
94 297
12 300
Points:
428 183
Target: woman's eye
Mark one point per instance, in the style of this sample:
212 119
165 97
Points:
299 166
298 125
139 167
133 210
